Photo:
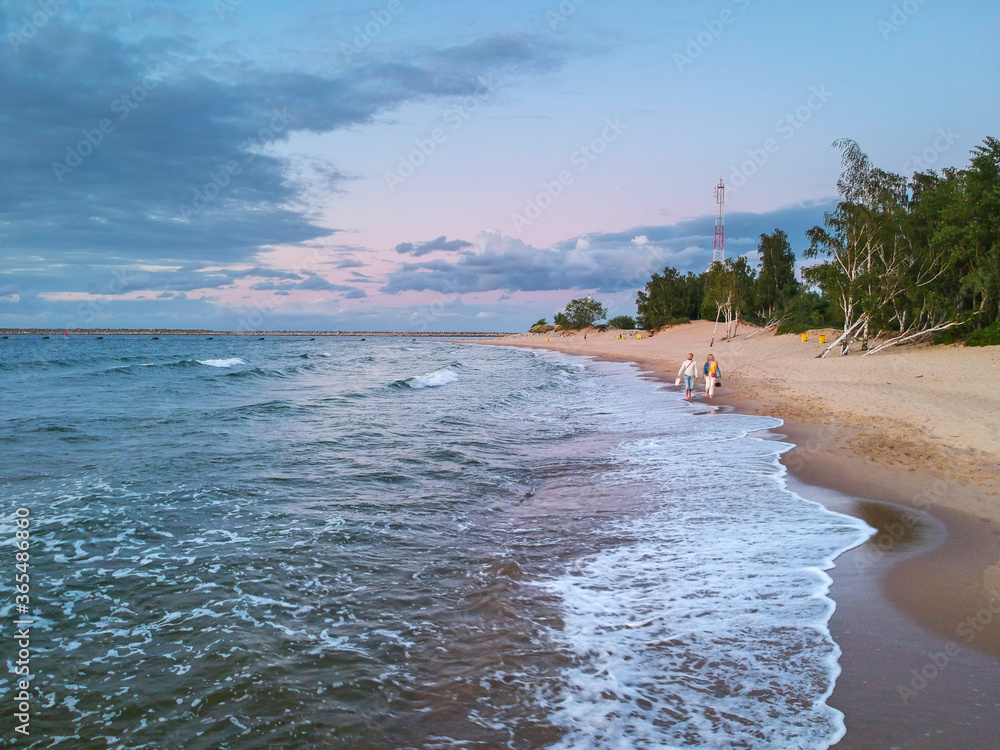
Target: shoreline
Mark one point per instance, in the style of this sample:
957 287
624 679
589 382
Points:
918 605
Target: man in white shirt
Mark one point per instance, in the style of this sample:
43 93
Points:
688 371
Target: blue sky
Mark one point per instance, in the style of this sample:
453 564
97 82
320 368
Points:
441 165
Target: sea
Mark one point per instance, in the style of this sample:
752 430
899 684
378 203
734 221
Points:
403 544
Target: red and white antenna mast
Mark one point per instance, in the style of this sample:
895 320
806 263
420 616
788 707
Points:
719 253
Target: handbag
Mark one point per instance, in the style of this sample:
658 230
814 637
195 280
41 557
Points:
677 381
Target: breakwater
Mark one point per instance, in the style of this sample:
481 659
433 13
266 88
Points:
208 332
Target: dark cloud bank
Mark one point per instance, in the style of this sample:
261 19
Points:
122 148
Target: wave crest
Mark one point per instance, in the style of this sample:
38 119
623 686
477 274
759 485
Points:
230 362
434 379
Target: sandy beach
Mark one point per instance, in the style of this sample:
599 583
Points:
907 439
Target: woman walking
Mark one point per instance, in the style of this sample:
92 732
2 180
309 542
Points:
688 371
712 374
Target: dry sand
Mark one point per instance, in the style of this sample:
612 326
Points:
935 408
909 440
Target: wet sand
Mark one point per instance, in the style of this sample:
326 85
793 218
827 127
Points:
918 605
915 672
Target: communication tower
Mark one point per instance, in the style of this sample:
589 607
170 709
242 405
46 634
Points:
719 253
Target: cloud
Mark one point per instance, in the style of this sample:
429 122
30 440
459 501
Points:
507 263
607 262
423 248
312 283
124 148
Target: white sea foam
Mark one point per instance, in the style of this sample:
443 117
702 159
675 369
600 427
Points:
433 379
701 623
707 626
230 362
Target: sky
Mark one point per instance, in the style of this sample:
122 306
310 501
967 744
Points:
443 165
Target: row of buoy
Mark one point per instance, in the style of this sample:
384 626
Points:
822 338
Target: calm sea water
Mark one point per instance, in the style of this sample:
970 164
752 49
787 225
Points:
404 544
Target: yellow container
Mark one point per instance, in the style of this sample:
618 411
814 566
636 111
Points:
805 336
638 335
822 338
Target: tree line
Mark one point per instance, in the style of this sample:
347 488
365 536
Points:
897 260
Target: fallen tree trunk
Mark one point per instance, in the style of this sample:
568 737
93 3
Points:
847 332
904 337
772 323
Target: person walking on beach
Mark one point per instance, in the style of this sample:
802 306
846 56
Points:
712 374
688 371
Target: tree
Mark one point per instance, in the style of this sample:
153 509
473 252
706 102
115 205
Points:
670 298
625 322
809 309
958 213
583 312
981 220
776 284
883 277
561 320
728 288
540 322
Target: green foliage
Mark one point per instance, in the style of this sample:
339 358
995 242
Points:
545 328
583 312
670 299
540 322
625 322
908 256
794 328
989 336
728 288
808 310
898 257
956 215
776 284
561 320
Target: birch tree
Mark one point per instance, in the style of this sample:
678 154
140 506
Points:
882 281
